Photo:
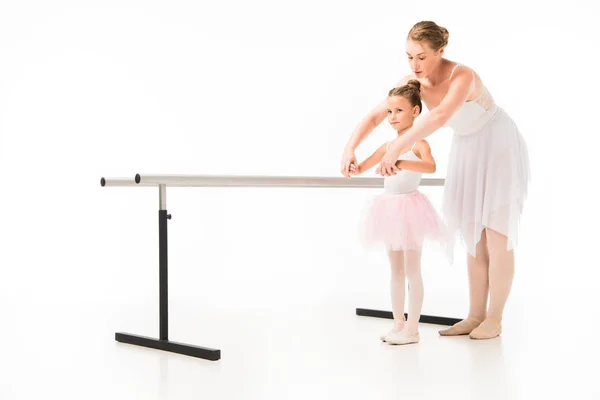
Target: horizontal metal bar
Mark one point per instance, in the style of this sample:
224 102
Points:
252 181
267 181
120 182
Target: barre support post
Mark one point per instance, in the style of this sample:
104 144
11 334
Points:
163 342
163 254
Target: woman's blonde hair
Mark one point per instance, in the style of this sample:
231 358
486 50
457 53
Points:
431 33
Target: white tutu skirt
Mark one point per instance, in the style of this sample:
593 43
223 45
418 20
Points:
405 222
487 181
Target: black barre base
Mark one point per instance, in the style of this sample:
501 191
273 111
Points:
426 319
166 345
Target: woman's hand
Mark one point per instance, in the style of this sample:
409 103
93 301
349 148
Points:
349 163
387 165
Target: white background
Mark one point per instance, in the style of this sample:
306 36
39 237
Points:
113 88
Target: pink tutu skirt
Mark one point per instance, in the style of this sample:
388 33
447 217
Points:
405 222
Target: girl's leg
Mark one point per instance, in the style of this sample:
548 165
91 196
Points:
478 267
412 263
397 287
410 334
501 273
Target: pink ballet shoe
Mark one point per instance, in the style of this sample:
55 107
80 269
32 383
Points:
402 337
488 329
397 328
464 327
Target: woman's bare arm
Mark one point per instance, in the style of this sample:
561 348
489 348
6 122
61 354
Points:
461 85
365 127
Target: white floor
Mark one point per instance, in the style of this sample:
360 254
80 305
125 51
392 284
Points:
324 352
280 307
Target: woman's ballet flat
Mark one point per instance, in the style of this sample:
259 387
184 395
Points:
488 329
464 327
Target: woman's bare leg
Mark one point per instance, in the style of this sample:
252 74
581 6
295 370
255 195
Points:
501 273
478 267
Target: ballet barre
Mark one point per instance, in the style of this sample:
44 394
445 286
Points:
163 181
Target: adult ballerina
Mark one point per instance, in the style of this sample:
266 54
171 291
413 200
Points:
488 171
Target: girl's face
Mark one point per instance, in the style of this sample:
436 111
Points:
422 59
401 114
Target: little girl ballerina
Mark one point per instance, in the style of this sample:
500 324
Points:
402 217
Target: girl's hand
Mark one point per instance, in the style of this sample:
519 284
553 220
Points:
348 162
354 170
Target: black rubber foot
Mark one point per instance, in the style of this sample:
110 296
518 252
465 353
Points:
426 319
166 345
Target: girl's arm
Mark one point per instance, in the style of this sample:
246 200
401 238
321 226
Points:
425 165
371 161
461 85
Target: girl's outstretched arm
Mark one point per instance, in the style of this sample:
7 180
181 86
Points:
370 162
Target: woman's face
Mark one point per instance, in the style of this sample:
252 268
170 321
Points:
422 59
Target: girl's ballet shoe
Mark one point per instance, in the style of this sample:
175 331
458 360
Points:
386 334
402 337
464 327
488 329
